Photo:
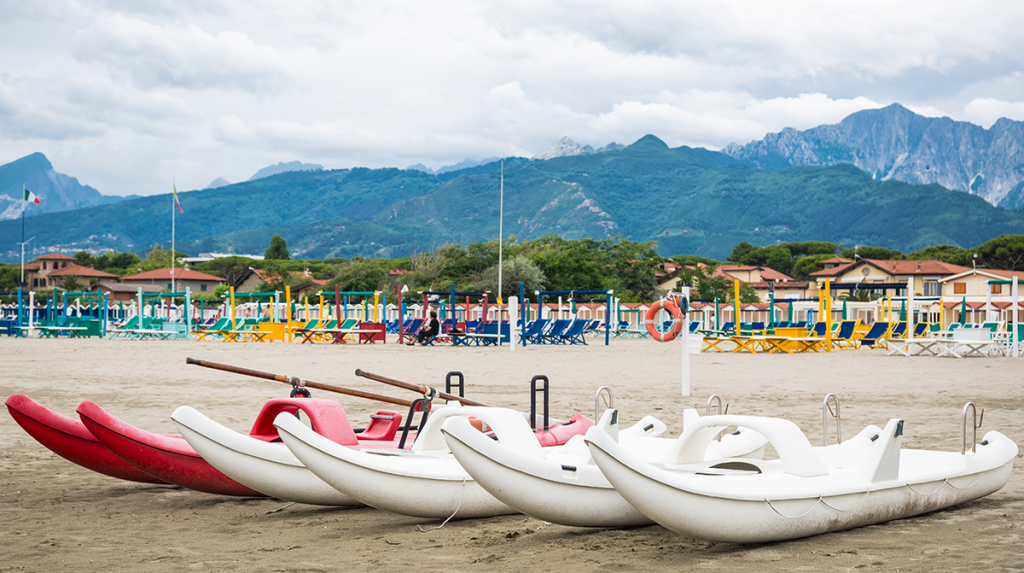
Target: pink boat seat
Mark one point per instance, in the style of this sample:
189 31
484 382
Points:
326 417
559 435
382 427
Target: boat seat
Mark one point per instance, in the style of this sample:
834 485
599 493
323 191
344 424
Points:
326 417
383 426
795 452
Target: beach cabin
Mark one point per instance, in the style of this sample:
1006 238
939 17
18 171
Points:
183 278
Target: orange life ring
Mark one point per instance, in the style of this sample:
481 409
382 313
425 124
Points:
677 320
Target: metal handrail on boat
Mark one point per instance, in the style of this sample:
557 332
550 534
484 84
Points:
975 423
826 409
597 401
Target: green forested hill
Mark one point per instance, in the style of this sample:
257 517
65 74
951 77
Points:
688 200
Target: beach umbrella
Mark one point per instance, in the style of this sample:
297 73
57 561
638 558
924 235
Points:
844 309
963 312
789 311
903 311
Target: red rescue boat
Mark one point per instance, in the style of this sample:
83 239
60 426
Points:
71 440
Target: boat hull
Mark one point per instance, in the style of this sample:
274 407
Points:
71 440
538 487
412 484
674 500
169 458
269 468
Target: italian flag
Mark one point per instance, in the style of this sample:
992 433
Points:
30 196
175 193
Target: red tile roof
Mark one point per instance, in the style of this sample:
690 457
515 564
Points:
122 287
80 271
179 274
767 273
931 267
54 257
836 261
32 266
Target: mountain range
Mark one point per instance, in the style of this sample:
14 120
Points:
896 143
688 200
57 192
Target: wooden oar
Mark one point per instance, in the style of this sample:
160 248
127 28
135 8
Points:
298 381
426 391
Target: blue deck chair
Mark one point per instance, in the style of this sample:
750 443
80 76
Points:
898 331
817 330
844 336
920 328
557 328
535 330
573 334
874 337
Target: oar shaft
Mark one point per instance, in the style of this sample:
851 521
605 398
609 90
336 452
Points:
417 388
308 383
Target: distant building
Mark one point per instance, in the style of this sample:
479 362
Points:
124 291
927 274
198 282
49 270
256 278
205 257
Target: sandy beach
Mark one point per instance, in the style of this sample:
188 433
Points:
59 517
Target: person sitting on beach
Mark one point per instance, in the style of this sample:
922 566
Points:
429 331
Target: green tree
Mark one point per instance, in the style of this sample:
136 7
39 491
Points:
158 258
1005 252
277 250
70 283
364 275
945 253
869 252
739 251
804 266
514 271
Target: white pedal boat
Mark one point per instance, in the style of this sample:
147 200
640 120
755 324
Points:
268 466
562 484
808 491
426 481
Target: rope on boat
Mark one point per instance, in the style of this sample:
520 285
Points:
769 502
945 482
461 495
282 508
820 500
851 508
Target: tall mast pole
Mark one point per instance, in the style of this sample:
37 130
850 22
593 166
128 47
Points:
501 219
172 239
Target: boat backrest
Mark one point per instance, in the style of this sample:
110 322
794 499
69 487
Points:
510 427
795 452
326 417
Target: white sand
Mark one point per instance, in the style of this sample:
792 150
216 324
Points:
57 516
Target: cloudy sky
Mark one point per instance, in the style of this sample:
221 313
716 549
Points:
127 95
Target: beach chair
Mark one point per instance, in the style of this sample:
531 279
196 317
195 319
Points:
817 330
556 330
899 331
535 330
574 334
844 336
920 329
875 337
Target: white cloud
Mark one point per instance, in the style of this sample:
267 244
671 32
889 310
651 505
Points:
129 94
186 57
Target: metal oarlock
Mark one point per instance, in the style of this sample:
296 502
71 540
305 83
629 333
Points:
420 405
826 409
597 401
533 400
448 385
718 404
976 422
